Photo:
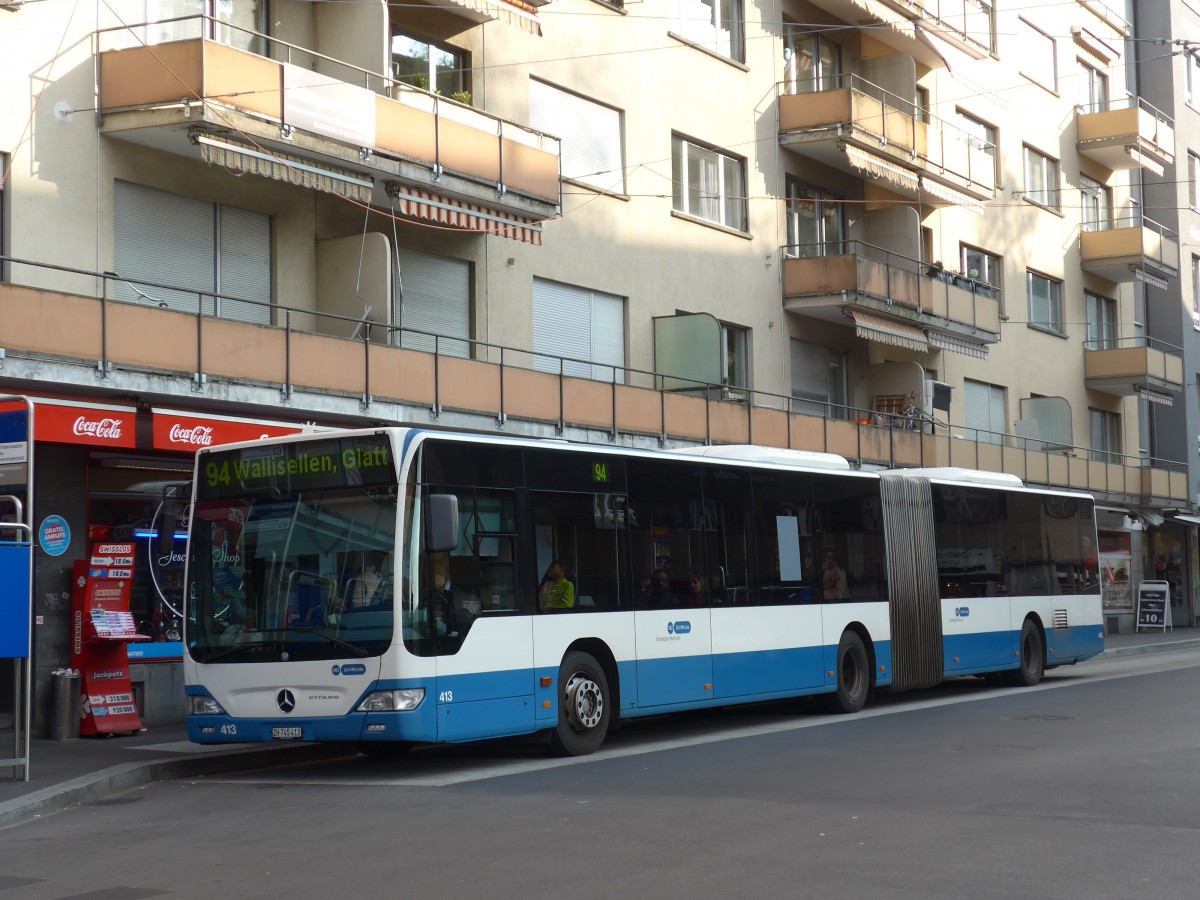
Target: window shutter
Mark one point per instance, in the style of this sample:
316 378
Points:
562 327
591 135
162 238
810 375
608 337
1192 175
433 294
245 265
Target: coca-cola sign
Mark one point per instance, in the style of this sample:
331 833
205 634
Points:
104 428
195 436
98 425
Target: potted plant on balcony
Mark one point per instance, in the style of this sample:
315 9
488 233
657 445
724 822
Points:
935 269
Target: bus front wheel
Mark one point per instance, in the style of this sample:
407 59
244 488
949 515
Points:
584 706
1033 663
853 676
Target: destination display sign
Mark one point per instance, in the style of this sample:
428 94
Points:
289 468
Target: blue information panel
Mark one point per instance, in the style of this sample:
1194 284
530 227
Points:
14 599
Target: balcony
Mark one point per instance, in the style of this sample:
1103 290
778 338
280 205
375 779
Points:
920 28
86 341
864 130
1139 250
1126 134
1135 367
834 281
349 132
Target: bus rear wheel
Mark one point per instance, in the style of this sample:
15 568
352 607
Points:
1033 662
584 707
853 676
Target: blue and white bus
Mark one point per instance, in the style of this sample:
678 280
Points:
382 586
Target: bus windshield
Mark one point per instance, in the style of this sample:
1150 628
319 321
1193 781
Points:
290 574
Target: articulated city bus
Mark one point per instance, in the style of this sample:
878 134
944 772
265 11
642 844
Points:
399 585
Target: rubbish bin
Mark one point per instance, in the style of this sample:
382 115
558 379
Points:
68 705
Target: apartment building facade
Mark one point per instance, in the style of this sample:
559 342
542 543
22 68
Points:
907 233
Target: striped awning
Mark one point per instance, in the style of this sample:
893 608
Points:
418 204
240 157
1154 396
514 12
881 168
892 18
1144 161
956 344
1095 44
884 331
950 195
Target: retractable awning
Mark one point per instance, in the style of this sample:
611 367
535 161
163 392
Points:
883 331
514 12
956 344
893 19
881 168
950 195
1144 161
1154 396
240 157
1187 520
418 204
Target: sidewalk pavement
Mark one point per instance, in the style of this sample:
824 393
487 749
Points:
62 773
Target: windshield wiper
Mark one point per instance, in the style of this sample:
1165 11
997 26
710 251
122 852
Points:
336 641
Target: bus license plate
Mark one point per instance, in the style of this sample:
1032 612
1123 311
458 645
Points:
284 734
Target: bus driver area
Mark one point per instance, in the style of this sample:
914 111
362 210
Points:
389 586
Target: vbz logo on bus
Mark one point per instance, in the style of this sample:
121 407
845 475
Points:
679 627
962 612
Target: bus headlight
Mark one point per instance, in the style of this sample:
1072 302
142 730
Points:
203 706
392 701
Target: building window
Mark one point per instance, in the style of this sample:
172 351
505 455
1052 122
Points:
216 259
1106 435
735 344
582 328
1041 179
1096 205
233 24
985 267
981 136
1101 322
1045 302
1092 89
1195 288
1193 174
429 66
1038 55
715 25
810 63
820 381
708 184
984 404
1193 77
591 135
815 223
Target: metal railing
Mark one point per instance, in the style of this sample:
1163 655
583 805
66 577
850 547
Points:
907 435
1110 343
1128 102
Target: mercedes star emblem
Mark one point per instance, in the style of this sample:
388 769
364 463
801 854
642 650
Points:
286 701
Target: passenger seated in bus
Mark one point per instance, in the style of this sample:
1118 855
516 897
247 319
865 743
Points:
833 578
660 591
695 592
556 591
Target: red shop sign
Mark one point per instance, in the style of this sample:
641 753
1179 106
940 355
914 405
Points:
173 431
85 425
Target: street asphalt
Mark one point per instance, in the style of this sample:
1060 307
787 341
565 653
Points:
62 773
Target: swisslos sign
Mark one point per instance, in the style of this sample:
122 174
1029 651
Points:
117 427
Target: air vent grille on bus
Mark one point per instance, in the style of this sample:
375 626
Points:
1060 618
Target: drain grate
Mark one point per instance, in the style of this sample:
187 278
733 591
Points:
1044 718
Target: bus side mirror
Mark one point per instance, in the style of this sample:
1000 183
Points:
441 522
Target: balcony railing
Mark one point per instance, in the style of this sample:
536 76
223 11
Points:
843 269
199 74
1133 366
885 125
496 384
1119 249
1126 133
